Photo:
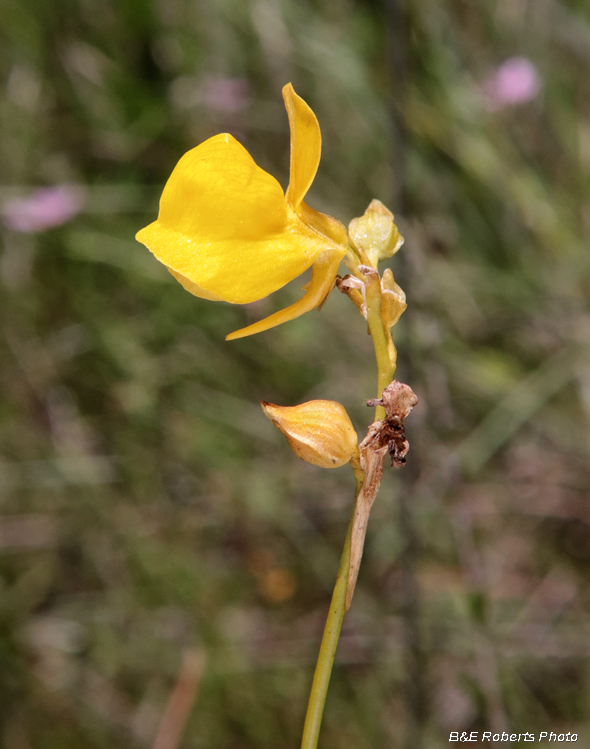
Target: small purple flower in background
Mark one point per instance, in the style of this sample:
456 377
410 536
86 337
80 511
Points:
226 94
515 81
43 209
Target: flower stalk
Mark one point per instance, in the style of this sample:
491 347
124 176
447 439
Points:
372 237
330 638
227 232
384 437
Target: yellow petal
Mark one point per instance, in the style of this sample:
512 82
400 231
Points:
319 432
193 287
327 225
224 225
306 146
323 277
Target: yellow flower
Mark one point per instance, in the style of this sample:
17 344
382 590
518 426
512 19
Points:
227 232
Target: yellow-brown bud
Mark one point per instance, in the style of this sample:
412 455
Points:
375 234
319 432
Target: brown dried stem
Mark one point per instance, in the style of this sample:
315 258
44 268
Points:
385 437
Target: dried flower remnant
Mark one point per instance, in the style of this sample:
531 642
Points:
516 81
398 400
44 209
319 432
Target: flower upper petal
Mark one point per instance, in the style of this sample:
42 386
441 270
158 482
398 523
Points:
224 225
306 146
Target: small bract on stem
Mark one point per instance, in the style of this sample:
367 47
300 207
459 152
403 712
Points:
227 232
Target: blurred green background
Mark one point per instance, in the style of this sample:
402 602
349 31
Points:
151 516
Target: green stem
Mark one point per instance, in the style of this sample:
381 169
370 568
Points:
385 368
325 662
323 669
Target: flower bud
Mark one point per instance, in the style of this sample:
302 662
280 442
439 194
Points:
319 432
375 233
